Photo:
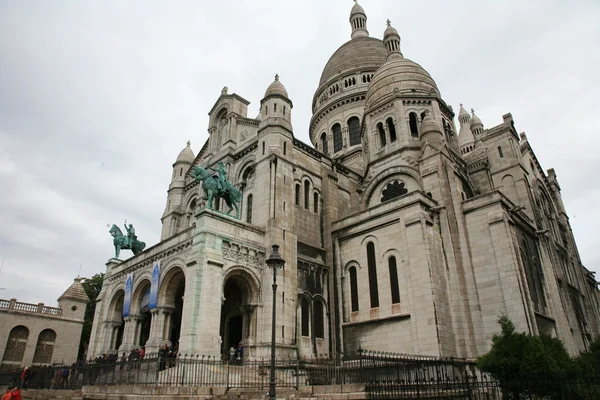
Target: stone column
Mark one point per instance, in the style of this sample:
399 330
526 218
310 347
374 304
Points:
166 327
156 324
129 334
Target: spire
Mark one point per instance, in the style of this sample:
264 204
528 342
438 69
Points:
358 21
391 40
465 137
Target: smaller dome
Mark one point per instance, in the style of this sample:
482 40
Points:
403 76
357 9
475 120
186 155
463 112
276 88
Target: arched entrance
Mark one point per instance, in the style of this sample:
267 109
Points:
115 316
171 300
141 300
238 323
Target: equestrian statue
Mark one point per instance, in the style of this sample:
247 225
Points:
128 242
217 184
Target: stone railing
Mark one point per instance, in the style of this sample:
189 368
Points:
40 308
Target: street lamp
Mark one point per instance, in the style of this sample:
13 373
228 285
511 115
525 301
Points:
274 261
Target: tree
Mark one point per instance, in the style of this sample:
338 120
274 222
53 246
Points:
588 363
524 363
92 287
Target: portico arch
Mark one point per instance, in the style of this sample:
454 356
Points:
170 299
140 301
115 319
238 310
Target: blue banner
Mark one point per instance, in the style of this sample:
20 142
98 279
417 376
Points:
128 289
154 286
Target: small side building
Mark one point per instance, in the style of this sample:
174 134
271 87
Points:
34 334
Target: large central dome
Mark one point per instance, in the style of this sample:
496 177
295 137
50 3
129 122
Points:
355 54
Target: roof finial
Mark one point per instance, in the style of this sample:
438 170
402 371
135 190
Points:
388 22
276 77
472 111
461 104
189 143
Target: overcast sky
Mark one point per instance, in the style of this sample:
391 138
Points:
98 98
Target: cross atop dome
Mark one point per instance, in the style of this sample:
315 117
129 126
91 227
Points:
388 22
276 77
189 143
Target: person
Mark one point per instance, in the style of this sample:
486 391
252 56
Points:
240 352
64 377
7 395
221 176
25 377
16 394
162 355
231 354
131 237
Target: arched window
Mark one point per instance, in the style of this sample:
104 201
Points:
353 289
305 317
371 261
381 131
500 152
423 114
394 280
263 148
324 145
316 202
283 110
284 148
275 107
391 129
318 319
392 190
306 194
249 209
412 123
297 194
337 137
354 130
16 343
44 347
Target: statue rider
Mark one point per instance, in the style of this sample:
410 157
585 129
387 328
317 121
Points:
131 237
221 176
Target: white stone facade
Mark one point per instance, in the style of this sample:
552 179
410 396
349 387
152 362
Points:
399 236
35 334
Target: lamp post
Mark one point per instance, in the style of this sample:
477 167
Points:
274 261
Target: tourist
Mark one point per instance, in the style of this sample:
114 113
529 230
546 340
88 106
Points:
16 394
7 395
25 377
64 377
240 353
232 352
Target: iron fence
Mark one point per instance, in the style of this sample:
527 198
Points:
384 376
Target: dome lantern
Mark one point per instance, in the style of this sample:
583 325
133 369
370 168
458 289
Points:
391 40
476 124
358 21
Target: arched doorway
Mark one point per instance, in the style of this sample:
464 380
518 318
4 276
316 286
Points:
115 316
141 301
171 299
238 323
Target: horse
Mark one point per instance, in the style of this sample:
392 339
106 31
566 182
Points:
121 242
230 194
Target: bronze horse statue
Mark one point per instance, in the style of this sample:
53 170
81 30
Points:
210 185
121 242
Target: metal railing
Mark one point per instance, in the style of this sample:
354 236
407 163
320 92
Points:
384 376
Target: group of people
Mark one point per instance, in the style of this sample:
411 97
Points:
12 393
236 355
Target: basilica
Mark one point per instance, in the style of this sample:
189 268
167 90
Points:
404 227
